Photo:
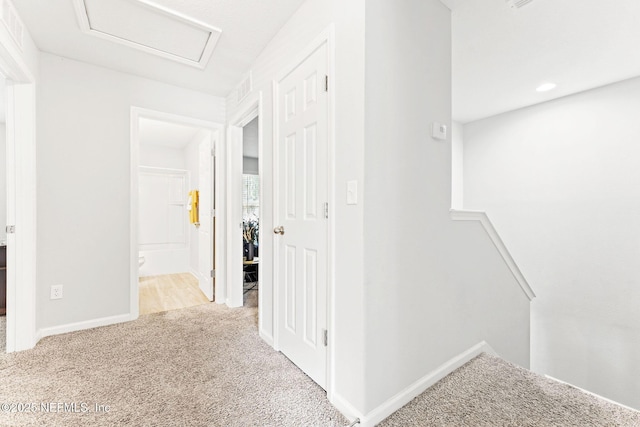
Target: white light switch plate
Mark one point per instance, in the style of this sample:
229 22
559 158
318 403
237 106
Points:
352 192
439 131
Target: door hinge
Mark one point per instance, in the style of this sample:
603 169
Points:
213 274
213 213
326 83
213 152
325 337
10 229
326 210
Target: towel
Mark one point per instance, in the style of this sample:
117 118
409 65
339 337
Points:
192 207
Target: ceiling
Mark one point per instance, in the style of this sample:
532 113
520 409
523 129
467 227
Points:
247 26
501 54
165 134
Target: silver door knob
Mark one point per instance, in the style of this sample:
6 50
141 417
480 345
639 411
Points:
279 230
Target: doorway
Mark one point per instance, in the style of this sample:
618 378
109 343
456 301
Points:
251 212
174 221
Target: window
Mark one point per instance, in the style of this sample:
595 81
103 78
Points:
250 196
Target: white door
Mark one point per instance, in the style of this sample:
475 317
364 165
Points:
206 218
301 226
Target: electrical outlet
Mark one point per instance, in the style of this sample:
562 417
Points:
56 292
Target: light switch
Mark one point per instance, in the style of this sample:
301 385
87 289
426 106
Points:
439 131
352 192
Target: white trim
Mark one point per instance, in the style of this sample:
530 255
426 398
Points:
220 230
346 409
405 396
21 197
214 33
464 215
331 225
249 109
275 193
136 114
327 36
613 402
80 326
265 336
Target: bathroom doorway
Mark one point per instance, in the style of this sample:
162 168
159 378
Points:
174 187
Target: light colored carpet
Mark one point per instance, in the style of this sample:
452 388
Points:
200 366
489 391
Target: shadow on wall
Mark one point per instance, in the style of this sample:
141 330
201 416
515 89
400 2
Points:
559 181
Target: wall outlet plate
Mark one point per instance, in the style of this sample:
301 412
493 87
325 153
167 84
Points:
56 292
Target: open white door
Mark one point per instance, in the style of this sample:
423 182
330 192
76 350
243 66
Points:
206 218
301 240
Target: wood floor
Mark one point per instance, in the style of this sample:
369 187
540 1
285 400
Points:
169 292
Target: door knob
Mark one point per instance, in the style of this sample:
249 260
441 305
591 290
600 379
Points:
279 230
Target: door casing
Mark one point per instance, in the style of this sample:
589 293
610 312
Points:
249 109
21 333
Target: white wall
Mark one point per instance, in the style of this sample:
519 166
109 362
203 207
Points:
162 157
561 182
348 89
163 239
457 165
434 288
165 260
83 152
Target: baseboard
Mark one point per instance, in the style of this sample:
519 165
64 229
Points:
79 326
267 338
613 402
207 292
405 396
346 408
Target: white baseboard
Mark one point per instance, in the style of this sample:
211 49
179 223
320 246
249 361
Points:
613 402
267 338
405 396
346 408
207 292
79 326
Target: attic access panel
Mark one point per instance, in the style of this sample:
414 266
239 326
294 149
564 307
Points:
148 27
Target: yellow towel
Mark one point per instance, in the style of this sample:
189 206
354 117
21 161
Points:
193 212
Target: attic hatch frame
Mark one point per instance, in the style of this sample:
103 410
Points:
82 15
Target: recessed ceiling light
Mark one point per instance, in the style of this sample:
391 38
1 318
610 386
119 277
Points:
546 87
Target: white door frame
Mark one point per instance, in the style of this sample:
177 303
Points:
327 36
219 181
21 197
249 109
